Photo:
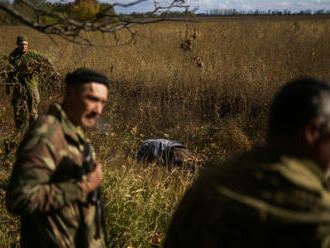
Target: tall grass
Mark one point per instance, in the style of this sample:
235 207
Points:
140 202
158 91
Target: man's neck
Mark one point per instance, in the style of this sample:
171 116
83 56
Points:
289 147
67 111
20 52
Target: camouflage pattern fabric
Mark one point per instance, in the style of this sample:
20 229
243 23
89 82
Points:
29 95
263 198
19 103
45 188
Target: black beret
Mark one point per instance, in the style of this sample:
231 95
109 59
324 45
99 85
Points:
84 75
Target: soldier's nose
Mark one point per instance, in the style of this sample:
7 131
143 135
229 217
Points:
99 109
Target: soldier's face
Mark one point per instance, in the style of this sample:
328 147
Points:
323 154
319 147
86 103
23 46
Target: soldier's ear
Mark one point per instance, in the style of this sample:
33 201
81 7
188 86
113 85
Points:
69 91
312 132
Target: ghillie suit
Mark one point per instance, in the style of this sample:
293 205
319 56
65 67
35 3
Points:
30 68
7 81
6 72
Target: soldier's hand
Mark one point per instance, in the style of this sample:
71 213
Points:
94 179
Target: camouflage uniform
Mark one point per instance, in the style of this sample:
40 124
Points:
26 96
263 198
45 186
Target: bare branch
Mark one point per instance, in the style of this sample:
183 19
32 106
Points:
120 5
16 14
75 31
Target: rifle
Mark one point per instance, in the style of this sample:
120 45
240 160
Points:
94 197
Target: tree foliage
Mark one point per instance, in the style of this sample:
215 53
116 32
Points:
72 21
86 10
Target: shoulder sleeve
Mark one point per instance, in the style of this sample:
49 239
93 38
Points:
31 188
12 53
11 56
188 225
38 56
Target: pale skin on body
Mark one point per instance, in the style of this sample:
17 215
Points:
83 104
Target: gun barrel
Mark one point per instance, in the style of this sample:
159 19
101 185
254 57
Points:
98 219
95 196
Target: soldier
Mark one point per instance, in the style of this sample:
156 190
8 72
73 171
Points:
26 96
49 186
273 196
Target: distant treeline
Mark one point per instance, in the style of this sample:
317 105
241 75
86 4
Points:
91 10
234 12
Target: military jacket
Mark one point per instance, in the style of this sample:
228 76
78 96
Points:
16 57
45 186
263 198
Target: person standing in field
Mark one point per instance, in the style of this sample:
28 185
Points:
275 195
26 98
50 186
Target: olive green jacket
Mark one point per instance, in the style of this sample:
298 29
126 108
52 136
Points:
263 198
16 57
45 189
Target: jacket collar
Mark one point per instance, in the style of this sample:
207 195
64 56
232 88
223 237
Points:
69 129
275 153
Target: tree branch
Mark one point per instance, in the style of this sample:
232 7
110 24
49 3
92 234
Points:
71 29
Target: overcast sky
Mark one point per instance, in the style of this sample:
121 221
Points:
204 5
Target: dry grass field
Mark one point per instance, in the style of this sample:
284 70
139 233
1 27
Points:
214 97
